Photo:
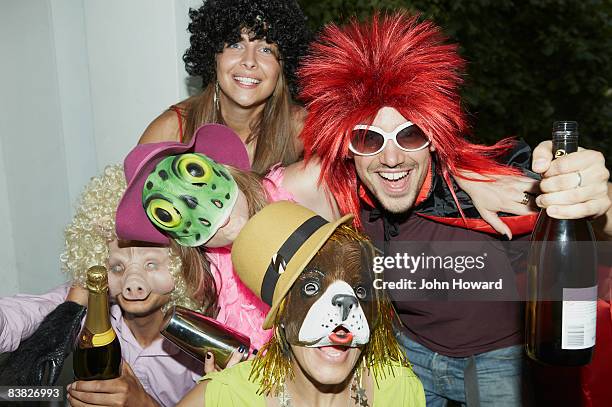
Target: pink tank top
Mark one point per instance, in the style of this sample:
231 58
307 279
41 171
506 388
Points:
239 307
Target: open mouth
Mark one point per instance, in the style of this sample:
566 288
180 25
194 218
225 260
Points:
341 336
334 353
395 182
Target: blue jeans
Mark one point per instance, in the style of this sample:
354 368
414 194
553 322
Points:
493 378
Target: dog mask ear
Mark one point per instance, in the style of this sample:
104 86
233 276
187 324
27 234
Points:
331 303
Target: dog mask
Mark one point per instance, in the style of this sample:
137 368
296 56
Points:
332 301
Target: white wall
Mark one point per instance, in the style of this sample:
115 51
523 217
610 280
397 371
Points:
8 265
80 81
133 69
32 144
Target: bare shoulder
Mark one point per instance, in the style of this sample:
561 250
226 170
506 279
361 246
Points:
302 181
303 175
195 397
164 127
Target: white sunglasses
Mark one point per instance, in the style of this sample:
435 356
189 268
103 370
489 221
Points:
371 140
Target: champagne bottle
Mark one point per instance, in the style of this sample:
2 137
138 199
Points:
98 352
562 273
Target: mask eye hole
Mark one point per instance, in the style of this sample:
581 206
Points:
194 168
151 266
116 268
361 292
310 288
164 214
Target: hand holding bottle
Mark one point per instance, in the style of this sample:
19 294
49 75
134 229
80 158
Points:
78 294
574 186
125 390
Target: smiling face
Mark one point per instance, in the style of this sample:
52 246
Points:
189 196
139 278
393 176
248 71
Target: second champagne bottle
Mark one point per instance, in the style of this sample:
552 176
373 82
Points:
561 310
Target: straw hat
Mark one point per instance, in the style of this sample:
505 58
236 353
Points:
274 247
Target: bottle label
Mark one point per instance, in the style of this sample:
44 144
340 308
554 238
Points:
579 318
103 339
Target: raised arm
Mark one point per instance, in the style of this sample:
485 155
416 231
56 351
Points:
563 192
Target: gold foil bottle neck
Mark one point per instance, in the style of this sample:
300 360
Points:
97 279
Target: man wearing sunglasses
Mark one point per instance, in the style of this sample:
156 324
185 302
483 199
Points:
386 123
382 163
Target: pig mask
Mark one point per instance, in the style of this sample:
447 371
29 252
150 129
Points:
136 272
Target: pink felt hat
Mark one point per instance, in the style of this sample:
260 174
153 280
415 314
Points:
214 140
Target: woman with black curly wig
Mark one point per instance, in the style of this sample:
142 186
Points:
246 52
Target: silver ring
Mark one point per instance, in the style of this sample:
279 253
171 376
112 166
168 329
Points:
526 198
579 179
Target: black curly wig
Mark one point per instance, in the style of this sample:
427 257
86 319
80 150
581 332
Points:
219 22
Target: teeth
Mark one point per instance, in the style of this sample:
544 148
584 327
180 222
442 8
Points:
247 81
393 176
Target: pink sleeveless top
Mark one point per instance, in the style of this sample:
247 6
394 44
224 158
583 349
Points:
239 307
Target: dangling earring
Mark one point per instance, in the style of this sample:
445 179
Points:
216 98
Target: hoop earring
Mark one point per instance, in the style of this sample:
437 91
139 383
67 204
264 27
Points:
216 98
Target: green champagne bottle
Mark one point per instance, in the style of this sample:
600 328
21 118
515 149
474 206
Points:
562 279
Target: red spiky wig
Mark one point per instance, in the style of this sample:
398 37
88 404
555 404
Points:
394 60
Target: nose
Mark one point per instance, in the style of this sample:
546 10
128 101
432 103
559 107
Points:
135 290
345 302
135 286
391 156
249 59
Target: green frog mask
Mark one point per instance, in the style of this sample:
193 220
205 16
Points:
189 197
